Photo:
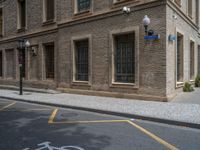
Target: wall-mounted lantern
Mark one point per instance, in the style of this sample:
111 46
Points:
149 33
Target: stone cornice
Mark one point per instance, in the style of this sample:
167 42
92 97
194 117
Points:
112 12
29 35
182 15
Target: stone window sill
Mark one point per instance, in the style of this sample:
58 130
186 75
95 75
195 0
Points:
124 85
190 16
178 4
82 14
21 30
49 22
49 80
81 83
179 84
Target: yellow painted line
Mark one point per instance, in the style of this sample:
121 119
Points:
51 118
153 136
7 106
89 122
38 109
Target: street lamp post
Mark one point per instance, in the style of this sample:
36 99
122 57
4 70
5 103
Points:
22 45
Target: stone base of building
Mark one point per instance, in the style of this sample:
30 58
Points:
45 85
115 94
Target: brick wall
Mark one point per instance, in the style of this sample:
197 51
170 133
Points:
155 61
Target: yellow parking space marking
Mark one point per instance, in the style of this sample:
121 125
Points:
153 136
89 122
53 115
38 109
13 103
51 118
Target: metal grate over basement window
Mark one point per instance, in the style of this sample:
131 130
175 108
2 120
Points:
125 58
81 59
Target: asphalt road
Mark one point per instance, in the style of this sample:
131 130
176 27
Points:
26 126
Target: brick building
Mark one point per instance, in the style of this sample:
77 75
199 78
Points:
92 47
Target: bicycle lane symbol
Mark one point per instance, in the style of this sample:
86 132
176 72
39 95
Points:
46 146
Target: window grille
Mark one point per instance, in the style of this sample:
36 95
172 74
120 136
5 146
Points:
197 12
23 63
83 5
1 22
125 58
49 61
9 63
191 60
199 59
1 64
49 10
179 60
190 9
81 60
22 11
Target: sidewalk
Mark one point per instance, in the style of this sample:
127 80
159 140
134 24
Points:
175 112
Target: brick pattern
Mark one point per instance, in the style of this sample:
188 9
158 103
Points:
156 59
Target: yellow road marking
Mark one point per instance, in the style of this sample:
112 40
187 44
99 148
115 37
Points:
7 106
153 136
86 122
51 118
38 109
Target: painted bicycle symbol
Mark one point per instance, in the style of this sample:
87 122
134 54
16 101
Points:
46 146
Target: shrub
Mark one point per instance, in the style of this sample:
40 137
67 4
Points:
188 87
197 81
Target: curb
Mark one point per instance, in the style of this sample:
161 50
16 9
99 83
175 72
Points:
158 120
26 89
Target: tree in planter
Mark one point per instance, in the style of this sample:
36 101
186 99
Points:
188 87
197 81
